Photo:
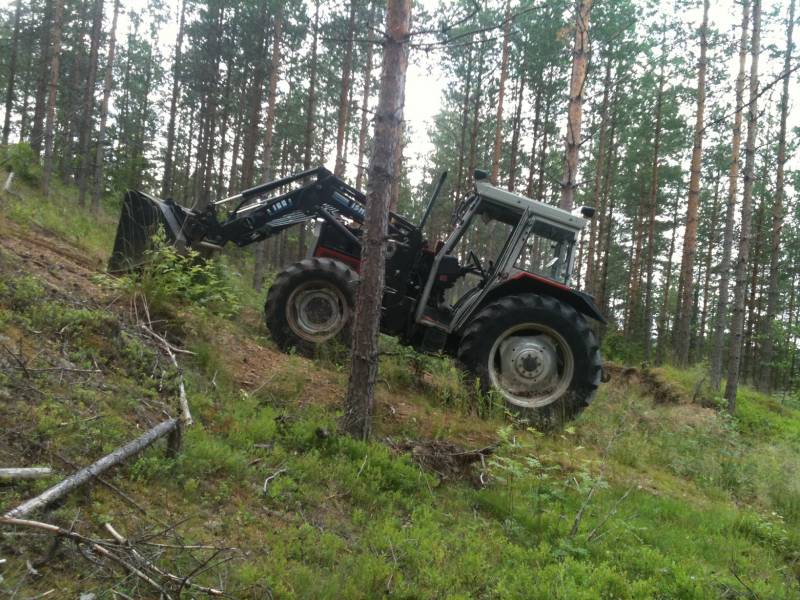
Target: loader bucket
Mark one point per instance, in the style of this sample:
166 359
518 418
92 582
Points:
142 216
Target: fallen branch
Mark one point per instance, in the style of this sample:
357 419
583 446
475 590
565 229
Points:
93 544
186 416
76 480
181 581
9 474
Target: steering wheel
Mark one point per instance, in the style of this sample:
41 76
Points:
476 266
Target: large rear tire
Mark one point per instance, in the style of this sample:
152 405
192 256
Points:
537 353
311 303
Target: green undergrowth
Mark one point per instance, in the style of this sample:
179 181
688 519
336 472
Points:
635 499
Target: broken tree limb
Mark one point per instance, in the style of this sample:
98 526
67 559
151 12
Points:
76 480
10 474
186 416
95 545
182 581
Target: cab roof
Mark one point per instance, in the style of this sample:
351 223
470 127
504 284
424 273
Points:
551 213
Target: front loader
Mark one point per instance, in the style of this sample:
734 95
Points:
495 294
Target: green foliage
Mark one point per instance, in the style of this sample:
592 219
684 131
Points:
170 279
617 348
23 162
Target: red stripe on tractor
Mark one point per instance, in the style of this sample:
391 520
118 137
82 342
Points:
353 263
526 275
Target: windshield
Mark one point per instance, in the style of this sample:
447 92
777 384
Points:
548 251
481 242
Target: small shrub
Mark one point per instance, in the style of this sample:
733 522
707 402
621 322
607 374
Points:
23 162
170 279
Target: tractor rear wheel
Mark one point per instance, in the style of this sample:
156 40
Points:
310 303
537 353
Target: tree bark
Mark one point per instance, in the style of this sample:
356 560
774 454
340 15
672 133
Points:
108 83
768 348
501 90
690 233
575 111
168 183
12 73
721 316
344 95
737 322
383 169
52 89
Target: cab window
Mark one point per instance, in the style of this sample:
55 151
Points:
548 251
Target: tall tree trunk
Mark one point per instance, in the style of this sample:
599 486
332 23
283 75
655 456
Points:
575 112
254 109
311 109
40 104
12 73
690 233
711 243
721 316
108 83
362 133
266 162
737 322
753 297
357 419
476 116
651 220
501 91
512 167
84 163
344 95
768 348
537 118
462 143
49 125
663 315
167 182
599 168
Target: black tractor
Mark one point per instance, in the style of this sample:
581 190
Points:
495 294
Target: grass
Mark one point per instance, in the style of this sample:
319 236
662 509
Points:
634 500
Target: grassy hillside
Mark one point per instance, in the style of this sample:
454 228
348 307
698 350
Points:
651 493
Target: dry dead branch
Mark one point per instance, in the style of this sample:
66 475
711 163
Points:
87 473
11 473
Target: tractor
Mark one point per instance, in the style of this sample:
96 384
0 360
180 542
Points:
495 294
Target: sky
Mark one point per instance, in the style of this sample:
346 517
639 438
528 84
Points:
425 81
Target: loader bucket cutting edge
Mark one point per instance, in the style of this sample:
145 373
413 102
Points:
139 221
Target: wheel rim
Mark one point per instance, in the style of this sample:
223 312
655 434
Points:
317 311
531 365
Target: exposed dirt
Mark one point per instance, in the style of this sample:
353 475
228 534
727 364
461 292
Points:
59 266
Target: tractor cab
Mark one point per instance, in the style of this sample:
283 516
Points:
498 238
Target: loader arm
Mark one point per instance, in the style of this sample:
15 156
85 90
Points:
258 213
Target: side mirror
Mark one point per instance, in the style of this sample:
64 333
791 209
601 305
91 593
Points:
480 174
587 212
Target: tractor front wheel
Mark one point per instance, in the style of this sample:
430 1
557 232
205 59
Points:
537 353
310 303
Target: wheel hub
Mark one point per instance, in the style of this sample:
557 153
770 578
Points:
531 365
316 313
528 359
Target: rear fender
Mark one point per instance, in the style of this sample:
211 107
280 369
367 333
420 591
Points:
528 283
